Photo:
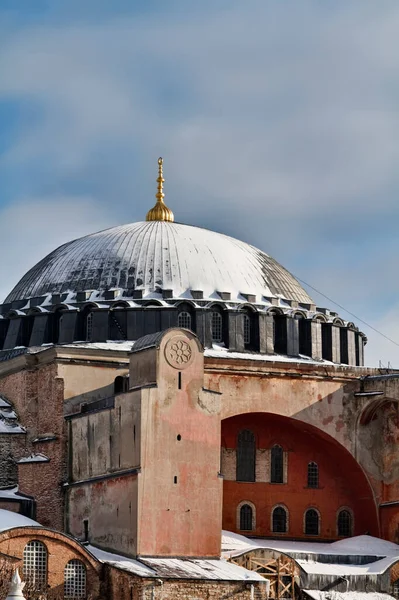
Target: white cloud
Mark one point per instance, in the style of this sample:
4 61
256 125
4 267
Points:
32 228
278 121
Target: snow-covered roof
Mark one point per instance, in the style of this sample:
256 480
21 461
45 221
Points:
8 418
177 568
234 545
218 351
333 595
10 520
151 256
34 458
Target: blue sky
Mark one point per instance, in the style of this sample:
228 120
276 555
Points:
278 123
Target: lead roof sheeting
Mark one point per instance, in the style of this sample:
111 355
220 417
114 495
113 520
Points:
156 255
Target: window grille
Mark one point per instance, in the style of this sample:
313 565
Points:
311 522
279 520
313 475
89 326
277 465
35 563
184 320
247 329
217 330
246 518
395 588
344 523
246 450
74 580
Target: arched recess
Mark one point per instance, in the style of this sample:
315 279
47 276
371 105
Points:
343 481
186 316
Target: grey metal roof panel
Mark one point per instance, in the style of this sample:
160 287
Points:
151 256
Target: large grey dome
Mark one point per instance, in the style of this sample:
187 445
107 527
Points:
155 256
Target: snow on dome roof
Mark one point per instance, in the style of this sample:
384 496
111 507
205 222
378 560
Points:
9 520
156 255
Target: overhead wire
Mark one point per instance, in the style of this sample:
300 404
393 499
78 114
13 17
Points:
347 311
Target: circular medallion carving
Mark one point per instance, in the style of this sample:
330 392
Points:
178 353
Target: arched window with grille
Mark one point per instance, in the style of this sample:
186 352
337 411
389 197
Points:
89 326
312 522
313 475
74 580
35 564
246 452
247 329
395 589
279 520
184 319
344 523
246 517
217 327
277 464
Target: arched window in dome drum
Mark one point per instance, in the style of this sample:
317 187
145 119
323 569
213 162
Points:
246 518
246 453
35 564
89 326
279 520
74 580
217 327
344 523
184 320
277 464
313 475
247 330
311 522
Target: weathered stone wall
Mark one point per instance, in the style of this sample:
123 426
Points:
123 586
110 508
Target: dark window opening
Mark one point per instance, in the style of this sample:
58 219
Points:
344 523
247 330
179 380
311 522
246 453
86 530
246 518
277 465
313 475
279 520
184 320
217 327
178 437
280 334
343 339
89 326
121 384
175 479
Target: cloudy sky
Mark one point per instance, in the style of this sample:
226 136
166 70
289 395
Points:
278 123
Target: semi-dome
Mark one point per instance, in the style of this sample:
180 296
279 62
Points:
154 256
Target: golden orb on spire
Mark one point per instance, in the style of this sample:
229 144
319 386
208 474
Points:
160 212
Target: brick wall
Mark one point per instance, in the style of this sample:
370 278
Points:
37 397
60 552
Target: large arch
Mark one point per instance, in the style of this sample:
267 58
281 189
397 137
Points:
342 482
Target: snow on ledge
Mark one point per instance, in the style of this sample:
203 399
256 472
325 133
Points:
34 458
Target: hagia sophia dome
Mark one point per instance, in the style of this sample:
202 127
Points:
155 256
137 279
160 255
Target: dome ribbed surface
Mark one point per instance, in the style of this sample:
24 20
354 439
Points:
152 256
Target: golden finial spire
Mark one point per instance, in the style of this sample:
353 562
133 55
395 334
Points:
160 212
